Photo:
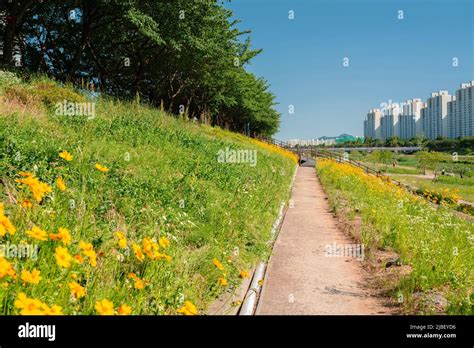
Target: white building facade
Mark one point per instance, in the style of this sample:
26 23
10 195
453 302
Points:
390 122
410 120
373 125
434 115
460 112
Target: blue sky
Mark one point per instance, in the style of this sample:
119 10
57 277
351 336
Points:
389 58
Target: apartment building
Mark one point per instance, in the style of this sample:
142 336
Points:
434 115
461 112
372 124
390 122
410 120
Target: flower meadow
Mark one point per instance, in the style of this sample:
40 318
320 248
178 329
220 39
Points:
129 212
436 243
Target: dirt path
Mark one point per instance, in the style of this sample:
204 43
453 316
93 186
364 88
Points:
300 278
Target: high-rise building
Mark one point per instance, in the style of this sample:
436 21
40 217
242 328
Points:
461 112
410 119
434 115
390 122
372 125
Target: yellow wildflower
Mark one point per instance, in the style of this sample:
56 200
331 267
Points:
63 258
151 248
38 188
188 309
217 263
65 155
222 281
104 307
32 277
138 252
26 204
124 309
5 223
88 250
28 306
244 274
54 310
60 183
37 233
63 235
6 269
77 290
122 243
101 168
139 284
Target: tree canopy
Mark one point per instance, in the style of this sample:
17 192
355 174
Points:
184 55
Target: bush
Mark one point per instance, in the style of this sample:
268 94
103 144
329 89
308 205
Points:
8 79
50 94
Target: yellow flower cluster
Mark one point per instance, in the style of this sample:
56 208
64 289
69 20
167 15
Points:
150 249
68 253
443 196
139 283
276 149
188 309
31 306
106 307
38 188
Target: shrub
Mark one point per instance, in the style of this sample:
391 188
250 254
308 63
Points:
8 79
50 93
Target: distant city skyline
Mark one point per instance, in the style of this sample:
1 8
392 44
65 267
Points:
442 115
391 55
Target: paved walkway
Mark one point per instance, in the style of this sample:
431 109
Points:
300 279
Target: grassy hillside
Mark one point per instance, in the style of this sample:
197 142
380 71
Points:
187 224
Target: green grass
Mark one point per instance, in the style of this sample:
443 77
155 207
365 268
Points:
164 181
387 168
435 243
464 187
